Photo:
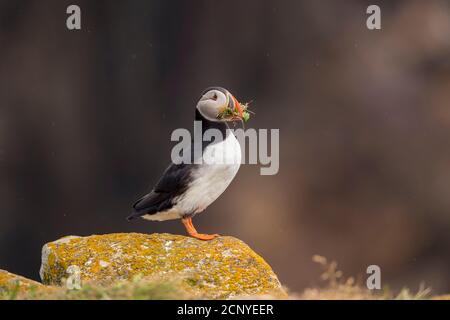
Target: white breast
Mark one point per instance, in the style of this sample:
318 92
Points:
221 163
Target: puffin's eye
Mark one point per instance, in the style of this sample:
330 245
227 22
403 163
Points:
214 97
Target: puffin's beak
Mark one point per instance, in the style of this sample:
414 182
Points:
234 105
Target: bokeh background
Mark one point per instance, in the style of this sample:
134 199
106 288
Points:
364 119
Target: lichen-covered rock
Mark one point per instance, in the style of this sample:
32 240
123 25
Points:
221 268
12 283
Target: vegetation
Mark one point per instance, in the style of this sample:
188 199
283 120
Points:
336 287
137 289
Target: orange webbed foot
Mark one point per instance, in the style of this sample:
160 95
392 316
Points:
205 237
193 232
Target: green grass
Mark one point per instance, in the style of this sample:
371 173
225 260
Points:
335 286
138 289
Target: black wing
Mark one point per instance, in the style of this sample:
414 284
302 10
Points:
173 182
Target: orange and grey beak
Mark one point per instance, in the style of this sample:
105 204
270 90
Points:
234 105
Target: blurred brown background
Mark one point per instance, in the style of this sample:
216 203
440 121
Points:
364 118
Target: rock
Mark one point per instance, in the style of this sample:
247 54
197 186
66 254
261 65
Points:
222 268
12 283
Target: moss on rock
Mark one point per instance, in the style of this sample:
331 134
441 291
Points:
222 268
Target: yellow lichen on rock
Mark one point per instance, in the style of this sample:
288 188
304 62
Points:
222 268
12 283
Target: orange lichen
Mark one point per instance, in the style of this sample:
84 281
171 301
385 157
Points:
221 268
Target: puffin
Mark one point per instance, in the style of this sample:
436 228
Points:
186 189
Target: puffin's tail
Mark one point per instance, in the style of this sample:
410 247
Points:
133 216
145 205
137 212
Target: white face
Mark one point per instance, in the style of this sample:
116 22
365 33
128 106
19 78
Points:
212 103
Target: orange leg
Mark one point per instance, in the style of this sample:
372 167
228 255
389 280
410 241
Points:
193 233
